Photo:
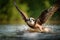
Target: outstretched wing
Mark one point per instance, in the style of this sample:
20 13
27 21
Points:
21 12
46 14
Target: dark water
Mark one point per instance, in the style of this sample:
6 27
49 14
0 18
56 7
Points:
17 32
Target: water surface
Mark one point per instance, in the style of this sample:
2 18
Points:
14 32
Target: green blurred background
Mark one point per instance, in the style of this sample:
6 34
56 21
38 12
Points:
33 8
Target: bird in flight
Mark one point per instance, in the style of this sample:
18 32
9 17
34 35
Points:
36 24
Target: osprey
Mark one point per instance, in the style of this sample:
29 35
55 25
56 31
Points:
36 24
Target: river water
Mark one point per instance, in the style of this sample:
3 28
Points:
17 32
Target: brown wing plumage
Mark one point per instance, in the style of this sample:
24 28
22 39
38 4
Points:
46 14
21 12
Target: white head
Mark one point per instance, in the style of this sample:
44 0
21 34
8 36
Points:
31 21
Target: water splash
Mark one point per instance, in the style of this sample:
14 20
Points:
19 30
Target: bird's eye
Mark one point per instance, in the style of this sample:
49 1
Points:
33 20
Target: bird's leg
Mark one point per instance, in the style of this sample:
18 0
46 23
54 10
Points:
39 27
43 29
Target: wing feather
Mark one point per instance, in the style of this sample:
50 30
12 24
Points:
21 12
46 14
